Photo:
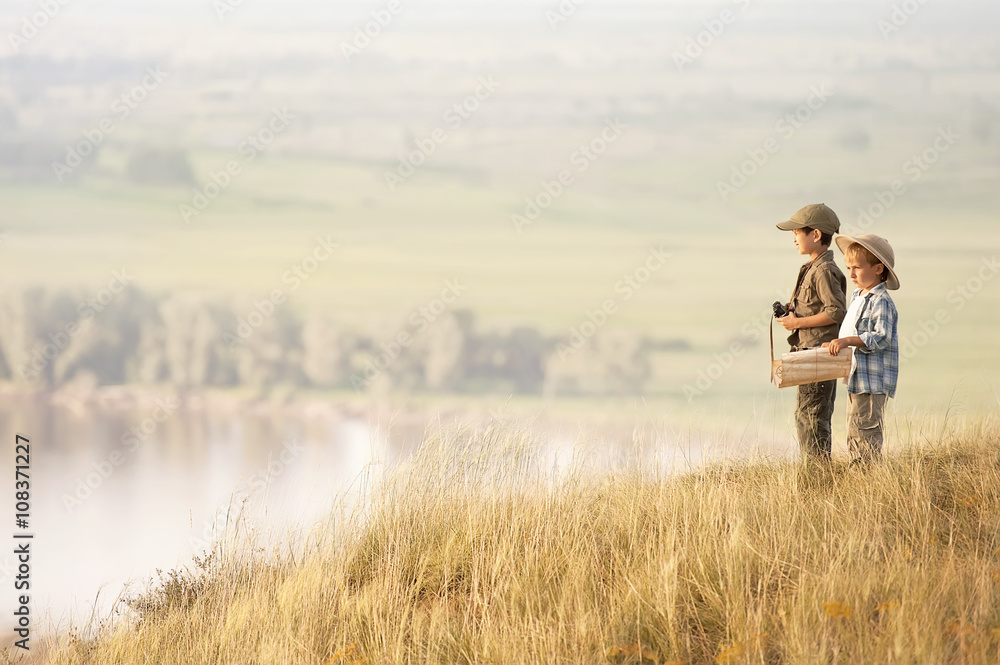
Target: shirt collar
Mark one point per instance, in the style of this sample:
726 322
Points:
878 288
826 257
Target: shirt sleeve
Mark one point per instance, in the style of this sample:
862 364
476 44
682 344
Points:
883 316
832 293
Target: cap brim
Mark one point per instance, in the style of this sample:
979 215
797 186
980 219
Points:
790 226
843 242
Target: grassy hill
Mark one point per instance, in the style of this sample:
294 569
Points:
470 554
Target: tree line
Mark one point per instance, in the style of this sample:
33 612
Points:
50 337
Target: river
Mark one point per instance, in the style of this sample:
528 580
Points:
119 491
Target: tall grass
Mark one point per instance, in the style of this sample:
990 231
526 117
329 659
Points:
471 554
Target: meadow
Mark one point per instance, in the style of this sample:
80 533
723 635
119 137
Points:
475 553
396 252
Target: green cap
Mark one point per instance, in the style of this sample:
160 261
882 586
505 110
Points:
816 215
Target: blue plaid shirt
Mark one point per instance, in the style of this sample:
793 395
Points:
876 369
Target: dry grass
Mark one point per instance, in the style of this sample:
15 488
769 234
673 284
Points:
469 555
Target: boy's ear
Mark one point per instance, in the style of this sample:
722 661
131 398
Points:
879 268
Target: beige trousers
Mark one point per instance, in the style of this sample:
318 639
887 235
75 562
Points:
864 424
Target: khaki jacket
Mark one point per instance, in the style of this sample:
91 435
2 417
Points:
820 288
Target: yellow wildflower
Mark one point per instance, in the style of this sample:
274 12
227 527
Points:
960 630
731 655
837 610
349 654
633 650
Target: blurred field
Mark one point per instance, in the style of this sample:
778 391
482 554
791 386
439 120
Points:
886 101
726 263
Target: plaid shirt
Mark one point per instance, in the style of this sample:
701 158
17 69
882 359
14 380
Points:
876 369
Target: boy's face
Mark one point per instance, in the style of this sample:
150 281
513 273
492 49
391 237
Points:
864 276
808 243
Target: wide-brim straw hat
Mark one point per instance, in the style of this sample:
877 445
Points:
878 246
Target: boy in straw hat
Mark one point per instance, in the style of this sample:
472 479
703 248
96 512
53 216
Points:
870 328
818 306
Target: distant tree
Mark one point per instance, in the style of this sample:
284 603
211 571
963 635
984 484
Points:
526 359
149 364
610 363
324 351
19 313
444 353
625 363
191 338
270 353
31 160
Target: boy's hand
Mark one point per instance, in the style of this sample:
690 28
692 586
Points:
790 322
836 346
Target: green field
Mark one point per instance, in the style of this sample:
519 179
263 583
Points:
726 261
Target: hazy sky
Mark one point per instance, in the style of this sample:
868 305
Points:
129 29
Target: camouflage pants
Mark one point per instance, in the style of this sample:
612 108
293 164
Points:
813 414
864 425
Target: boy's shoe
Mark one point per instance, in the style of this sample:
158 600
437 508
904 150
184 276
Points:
862 462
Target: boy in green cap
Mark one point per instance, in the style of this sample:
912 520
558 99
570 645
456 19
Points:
816 311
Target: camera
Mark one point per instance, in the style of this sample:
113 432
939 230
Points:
780 310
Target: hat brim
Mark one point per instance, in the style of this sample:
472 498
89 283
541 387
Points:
843 242
790 226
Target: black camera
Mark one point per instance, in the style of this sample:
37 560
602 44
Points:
780 310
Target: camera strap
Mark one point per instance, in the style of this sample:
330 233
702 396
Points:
772 345
803 271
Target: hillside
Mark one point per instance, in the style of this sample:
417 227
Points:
471 555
